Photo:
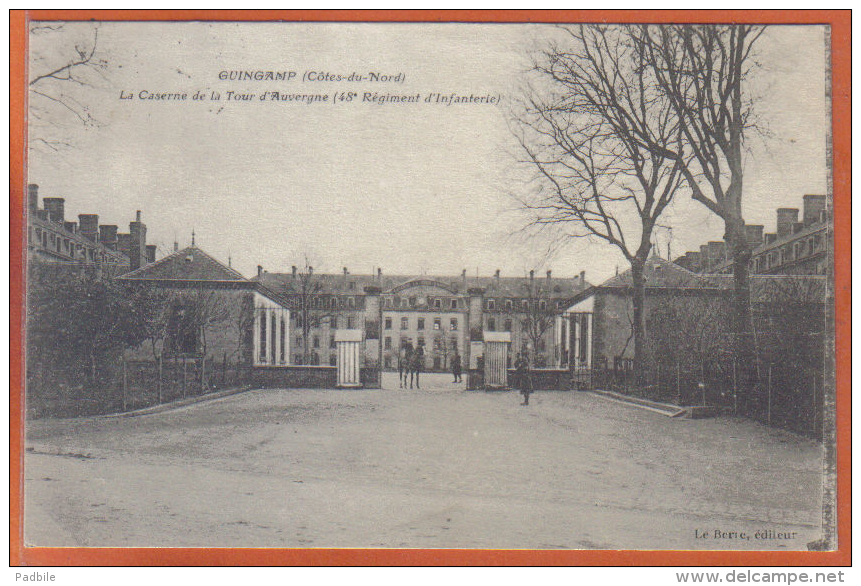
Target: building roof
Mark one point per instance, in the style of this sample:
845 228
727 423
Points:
662 273
188 264
354 284
666 275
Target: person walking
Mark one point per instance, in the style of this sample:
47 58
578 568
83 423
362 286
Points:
456 367
524 382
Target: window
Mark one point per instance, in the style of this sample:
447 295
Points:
491 304
525 304
507 325
351 302
543 304
388 361
182 332
421 341
332 343
509 304
437 303
437 323
353 285
298 341
350 323
452 324
316 341
388 344
412 301
454 303
491 324
436 362
299 320
388 323
421 325
389 302
437 344
332 360
405 323
297 359
333 322
454 344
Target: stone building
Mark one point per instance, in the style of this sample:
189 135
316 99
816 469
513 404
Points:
211 311
53 238
446 315
795 248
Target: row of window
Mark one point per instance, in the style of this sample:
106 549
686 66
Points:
794 251
420 323
407 302
522 305
440 343
332 321
68 247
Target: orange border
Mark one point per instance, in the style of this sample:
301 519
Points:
840 21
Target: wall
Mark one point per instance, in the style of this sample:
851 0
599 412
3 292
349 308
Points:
294 377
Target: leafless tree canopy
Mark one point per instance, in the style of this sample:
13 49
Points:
64 64
603 137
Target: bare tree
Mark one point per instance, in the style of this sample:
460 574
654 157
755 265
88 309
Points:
306 293
537 313
605 141
64 60
703 70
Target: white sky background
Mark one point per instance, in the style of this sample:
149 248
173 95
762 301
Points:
409 188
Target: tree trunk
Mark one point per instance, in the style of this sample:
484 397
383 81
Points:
638 279
743 346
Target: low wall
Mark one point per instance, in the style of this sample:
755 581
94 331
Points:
294 377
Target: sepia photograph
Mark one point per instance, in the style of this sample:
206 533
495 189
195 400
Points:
429 285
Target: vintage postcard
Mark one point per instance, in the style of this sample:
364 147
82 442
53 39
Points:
560 287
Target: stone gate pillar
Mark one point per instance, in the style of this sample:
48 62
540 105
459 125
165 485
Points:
474 338
349 361
373 351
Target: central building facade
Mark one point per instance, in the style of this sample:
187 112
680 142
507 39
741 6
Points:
445 315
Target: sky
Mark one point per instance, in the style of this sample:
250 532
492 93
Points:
415 188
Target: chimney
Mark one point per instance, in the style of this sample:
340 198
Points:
548 274
716 252
310 270
71 227
175 246
150 253
293 271
108 236
753 233
259 271
769 238
582 278
56 208
463 277
124 243
137 248
345 275
496 274
33 197
786 217
89 226
705 264
814 205
379 275
531 274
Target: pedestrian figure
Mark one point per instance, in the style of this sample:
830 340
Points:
455 367
524 382
418 363
405 359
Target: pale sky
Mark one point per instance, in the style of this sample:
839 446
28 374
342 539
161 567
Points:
411 188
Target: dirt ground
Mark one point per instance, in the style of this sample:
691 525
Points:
438 467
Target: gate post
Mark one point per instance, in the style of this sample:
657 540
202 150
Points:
496 359
349 344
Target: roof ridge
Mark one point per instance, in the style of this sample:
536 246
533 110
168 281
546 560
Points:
153 264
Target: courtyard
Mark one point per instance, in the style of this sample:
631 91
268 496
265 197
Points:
439 467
